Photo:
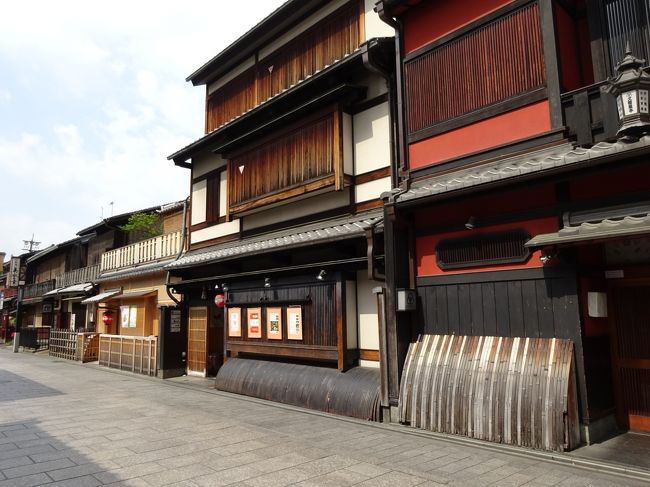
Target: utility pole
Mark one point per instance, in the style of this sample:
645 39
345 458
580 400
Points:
31 245
19 320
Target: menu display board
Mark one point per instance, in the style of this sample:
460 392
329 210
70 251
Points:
274 323
254 322
234 322
294 322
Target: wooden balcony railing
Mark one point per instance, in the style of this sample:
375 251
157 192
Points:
37 290
590 114
150 250
78 276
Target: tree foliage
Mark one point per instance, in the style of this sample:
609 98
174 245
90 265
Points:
145 225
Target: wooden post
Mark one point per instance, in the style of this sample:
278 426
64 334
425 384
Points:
551 60
341 332
383 355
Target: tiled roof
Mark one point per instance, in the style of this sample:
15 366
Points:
562 155
140 270
101 296
322 232
607 228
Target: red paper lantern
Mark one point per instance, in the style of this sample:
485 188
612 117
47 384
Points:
107 318
220 300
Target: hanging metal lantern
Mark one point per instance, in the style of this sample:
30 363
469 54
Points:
631 88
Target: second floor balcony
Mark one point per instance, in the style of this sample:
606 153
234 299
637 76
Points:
38 289
78 276
147 251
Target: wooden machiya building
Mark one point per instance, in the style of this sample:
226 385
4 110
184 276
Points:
521 220
286 226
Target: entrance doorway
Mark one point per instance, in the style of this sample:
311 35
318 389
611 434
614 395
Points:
197 351
631 354
204 340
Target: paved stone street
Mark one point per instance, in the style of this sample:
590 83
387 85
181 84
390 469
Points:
64 424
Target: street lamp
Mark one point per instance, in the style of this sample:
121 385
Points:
631 88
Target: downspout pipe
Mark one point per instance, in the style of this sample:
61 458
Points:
180 252
371 64
403 177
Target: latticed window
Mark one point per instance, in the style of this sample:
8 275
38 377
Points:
497 61
627 21
484 249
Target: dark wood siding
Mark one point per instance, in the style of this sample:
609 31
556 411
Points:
330 40
526 303
319 312
483 67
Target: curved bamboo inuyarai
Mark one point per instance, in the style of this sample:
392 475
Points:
519 391
353 393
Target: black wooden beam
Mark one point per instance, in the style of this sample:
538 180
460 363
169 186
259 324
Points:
551 59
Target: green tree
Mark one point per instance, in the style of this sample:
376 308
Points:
143 225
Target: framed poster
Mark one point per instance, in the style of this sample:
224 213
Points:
234 322
294 322
133 316
274 323
254 322
124 316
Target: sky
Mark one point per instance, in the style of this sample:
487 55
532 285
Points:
93 99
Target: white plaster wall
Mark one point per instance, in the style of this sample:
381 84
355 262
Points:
375 27
351 314
348 144
232 74
215 231
204 164
367 309
301 27
199 200
371 190
297 209
372 139
223 194
369 363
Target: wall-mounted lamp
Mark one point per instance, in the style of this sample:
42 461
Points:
267 282
217 287
321 275
546 257
204 292
471 223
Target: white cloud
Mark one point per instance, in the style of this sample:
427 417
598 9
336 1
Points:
98 100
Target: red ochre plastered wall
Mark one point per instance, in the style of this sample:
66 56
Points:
425 247
508 127
432 20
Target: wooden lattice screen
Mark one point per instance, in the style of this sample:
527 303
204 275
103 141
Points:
485 66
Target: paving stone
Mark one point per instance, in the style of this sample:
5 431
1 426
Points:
15 462
77 471
171 476
392 479
125 430
27 481
35 468
228 476
85 481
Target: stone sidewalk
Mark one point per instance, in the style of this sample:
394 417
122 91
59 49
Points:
63 424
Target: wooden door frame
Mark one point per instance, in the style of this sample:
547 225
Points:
206 307
613 286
